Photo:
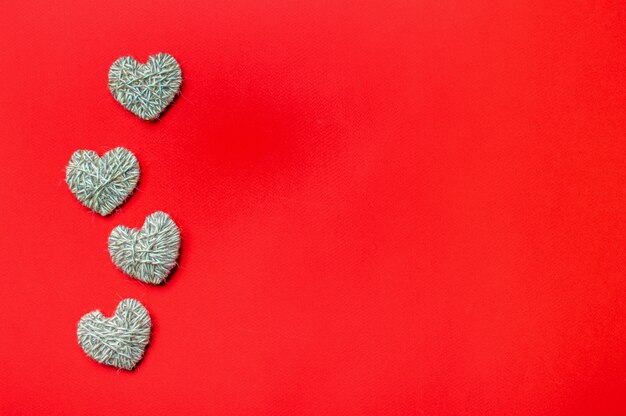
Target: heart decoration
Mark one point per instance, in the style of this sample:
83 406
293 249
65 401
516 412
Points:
102 183
119 341
147 254
145 89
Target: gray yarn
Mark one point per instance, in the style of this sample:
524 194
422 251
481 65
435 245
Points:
102 183
119 341
147 254
145 89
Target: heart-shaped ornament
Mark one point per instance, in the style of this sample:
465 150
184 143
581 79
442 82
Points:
102 183
145 89
119 341
147 254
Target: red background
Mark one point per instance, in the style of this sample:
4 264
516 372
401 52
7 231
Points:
392 208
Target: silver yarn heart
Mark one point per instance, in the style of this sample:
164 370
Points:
145 89
102 183
119 341
147 254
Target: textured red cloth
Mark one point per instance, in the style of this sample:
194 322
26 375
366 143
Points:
387 207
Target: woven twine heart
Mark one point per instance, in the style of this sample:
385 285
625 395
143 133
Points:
102 183
147 254
145 89
119 341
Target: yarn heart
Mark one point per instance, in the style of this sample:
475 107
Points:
102 183
147 254
145 89
119 341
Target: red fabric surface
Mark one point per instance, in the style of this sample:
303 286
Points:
387 208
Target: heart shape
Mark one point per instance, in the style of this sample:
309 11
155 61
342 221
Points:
119 341
102 183
145 89
147 254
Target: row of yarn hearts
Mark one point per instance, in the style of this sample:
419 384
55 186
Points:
103 184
